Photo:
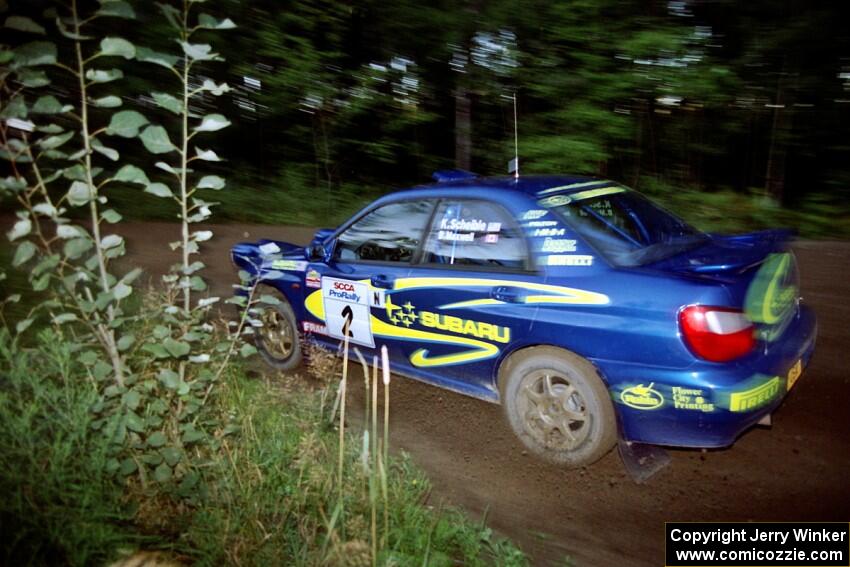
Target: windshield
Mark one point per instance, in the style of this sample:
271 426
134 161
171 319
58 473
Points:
624 226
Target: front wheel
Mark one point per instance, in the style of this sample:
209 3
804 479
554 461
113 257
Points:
277 338
558 406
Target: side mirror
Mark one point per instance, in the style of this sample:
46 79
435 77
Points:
316 253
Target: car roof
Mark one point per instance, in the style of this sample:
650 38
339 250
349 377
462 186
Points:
532 185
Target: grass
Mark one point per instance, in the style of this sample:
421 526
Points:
269 493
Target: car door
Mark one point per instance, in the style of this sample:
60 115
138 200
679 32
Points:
463 303
347 293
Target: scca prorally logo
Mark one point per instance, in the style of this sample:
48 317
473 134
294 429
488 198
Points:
642 397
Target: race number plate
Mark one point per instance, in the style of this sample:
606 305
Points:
794 374
346 305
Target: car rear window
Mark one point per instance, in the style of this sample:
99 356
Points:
624 226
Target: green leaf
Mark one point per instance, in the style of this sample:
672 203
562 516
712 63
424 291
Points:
40 284
197 283
110 101
15 108
211 182
80 193
111 216
199 51
126 124
156 140
212 123
47 104
169 378
76 247
269 299
208 22
128 467
67 231
216 90
157 439
157 350
101 149
132 174
176 348
64 30
63 317
135 423
21 228
23 24
53 142
35 53
132 399
121 290
159 190
172 15
25 251
162 473
165 167
32 78
117 47
23 325
125 342
168 102
247 350
104 75
172 455
191 436
162 59
117 9
206 155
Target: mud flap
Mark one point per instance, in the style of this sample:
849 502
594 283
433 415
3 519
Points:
642 461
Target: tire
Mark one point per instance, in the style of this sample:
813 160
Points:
558 406
278 340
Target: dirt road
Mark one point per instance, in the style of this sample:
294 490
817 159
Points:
797 470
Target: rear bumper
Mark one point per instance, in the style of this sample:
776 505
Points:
710 405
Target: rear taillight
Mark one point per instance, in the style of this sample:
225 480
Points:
718 334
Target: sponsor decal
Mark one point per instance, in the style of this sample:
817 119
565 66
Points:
407 315
555 201
268 248
574 186
313 279
533 224
591 193
456 236
642 397
772 293
491 238
377 297
754 398
569 260
558 246
314 328
533 214
691 399
291 265
549 232
494 227
463 225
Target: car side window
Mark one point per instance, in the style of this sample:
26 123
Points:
391 233
474 233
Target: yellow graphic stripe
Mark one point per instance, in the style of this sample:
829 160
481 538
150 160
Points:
478 350
562 294
590 193
573 186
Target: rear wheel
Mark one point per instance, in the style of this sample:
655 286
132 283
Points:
277 338
558 406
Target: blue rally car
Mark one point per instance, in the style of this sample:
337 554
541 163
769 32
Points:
581 307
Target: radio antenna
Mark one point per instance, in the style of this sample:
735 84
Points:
514 165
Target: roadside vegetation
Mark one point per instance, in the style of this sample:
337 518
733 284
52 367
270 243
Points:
129 420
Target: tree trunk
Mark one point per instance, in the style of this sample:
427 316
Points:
463 128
